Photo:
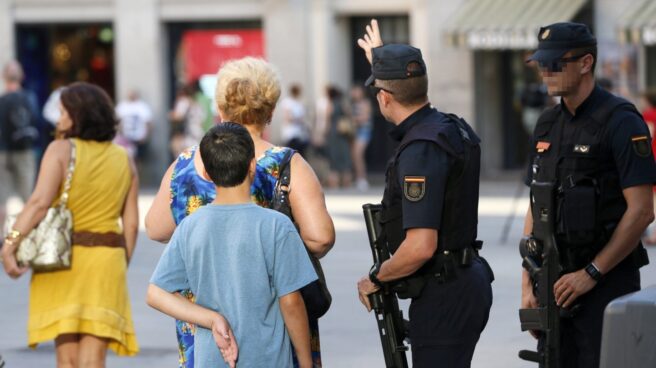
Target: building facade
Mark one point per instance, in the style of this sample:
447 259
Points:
474 50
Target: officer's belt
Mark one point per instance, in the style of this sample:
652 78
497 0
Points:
444 263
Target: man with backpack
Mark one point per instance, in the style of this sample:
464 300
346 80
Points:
17 135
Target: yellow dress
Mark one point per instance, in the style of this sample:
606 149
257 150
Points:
92 296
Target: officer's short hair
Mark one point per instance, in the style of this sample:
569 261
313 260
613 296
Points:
410 91
227 150
592 50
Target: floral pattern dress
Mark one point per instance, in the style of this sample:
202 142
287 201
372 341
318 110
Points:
189 191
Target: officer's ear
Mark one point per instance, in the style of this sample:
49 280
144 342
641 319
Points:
586 63
385 98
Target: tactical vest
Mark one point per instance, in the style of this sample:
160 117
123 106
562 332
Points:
589 199
460 212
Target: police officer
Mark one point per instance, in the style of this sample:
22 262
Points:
429 213
596 148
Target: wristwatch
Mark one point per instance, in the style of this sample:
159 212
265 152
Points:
373 273
593 271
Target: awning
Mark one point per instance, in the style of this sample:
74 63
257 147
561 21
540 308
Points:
509 24
638 24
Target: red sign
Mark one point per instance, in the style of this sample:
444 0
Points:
204 51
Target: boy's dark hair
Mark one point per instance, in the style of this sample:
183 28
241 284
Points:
227 151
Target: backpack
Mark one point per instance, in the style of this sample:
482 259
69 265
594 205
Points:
18 130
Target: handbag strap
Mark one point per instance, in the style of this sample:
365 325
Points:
63 199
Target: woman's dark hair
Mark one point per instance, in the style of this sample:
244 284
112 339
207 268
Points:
227 150
91 111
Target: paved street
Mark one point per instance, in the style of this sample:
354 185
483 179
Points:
349 337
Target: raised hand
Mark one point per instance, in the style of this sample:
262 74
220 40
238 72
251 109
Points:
370 39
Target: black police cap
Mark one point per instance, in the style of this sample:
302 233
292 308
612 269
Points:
392 62
557 39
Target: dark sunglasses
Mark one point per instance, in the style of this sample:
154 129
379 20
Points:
556 66
375 90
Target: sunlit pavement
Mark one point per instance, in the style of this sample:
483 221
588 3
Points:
349 336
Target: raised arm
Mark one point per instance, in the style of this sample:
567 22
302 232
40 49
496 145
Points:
309 208
159 219
130 215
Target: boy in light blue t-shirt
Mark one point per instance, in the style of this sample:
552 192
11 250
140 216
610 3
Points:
243 262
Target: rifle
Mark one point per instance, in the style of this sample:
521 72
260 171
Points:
542 261
389 317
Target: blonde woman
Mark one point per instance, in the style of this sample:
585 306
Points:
85 309
247 92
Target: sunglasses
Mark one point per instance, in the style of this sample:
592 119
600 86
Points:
375 90
556 66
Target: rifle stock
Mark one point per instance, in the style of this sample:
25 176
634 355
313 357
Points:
389 317
541 259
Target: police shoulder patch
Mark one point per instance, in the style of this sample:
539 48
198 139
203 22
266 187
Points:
641 145
414 187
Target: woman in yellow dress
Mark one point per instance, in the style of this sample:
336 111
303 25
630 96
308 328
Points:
85 309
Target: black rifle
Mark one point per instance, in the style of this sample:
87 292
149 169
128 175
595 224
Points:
384 303
542 261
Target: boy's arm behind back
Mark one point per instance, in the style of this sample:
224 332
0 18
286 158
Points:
293 312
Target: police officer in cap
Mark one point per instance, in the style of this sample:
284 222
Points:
596 148
430 213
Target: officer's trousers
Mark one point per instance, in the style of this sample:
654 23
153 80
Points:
581 335
448 318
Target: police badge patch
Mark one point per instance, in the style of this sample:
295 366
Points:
641 145
414 187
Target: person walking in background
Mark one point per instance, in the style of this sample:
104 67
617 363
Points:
295 132
361 108
246 93
135 124
338 140
18 133
649 114
232 251
86 308
187 119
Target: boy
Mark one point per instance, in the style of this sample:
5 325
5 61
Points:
240 260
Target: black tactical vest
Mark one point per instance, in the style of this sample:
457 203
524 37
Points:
589 196
460 213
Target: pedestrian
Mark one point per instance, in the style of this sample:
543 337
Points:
340 131
86 308
295 132
135 124
430 212
246 93
18 133
596 149
187 118
243 261
361 110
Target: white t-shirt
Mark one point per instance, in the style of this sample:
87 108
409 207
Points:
294 127
134 117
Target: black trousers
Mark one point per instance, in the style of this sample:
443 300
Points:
448 318
581 335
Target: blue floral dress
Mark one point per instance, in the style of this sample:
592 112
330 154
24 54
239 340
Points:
190 191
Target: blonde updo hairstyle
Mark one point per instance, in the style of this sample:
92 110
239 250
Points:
247 91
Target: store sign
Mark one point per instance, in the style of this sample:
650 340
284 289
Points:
204 51
502 39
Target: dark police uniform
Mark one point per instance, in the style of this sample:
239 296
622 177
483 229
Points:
592 155
432 182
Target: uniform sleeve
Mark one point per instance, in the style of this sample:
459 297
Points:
631 150
292 268
422 174
170 273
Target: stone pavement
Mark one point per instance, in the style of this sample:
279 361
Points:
349 337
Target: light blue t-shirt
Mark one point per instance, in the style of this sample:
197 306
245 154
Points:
238 260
